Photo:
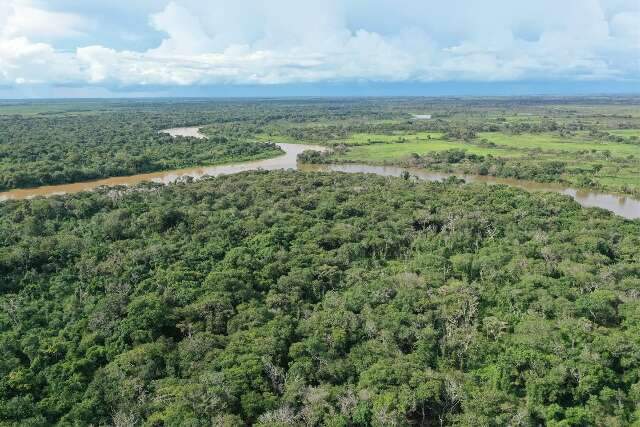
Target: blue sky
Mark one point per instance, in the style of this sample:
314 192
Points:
70 48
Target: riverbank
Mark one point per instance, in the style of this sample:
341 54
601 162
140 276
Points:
626 207
287 160
595 162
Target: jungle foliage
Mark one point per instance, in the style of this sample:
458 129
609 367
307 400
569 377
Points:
283 298
58 149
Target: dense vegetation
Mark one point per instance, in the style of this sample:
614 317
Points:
61 149
597 140
284 298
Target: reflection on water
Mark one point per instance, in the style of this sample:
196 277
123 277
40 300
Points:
191 131
286 161
623 206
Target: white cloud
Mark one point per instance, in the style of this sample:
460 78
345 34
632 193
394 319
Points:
21 18
25 61
292 41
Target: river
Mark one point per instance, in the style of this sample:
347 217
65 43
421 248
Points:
626 207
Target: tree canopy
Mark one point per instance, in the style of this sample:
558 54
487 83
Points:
284 298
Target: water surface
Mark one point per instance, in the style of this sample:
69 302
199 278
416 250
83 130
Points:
286 161
624 206
190 131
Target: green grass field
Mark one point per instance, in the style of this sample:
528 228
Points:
365 147
358 138
625 132
377 138
610 165
550 142
379 153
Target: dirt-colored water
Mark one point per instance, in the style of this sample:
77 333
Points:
624 206
286 161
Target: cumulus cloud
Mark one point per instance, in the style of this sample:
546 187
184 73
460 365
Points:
21 18
24 58
289 41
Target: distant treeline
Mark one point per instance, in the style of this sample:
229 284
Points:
45 150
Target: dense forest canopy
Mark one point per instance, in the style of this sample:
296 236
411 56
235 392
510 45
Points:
283 298
36 151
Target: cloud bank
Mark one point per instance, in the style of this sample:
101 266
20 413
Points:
291 42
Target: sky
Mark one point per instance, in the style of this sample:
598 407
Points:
115 48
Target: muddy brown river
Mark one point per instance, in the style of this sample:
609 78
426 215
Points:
626 207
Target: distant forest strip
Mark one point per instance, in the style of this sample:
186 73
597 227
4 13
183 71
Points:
283 298
58 149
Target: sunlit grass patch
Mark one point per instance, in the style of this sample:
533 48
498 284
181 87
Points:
390 152
547 141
